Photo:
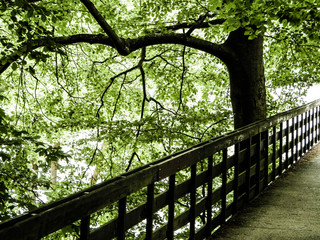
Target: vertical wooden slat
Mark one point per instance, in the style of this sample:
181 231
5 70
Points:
297 141
209 198
306 123
287 145
315 114
248 166
316 125
170 229
150 203
297 138
266 159
312 128
224 185
258 160
301 135
292 142
280 148
85 228
274 152
121 218
236 177
306 132
192 216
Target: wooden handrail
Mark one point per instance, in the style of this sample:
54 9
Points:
241 164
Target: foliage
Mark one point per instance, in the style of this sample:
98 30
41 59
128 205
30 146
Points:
117 99
20 182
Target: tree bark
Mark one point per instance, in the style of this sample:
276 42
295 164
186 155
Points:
54 169
247 81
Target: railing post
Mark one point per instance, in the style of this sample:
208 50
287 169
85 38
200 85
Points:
307 132
193 201
84 228
266 159
318 123
258 160
150 202
312 128
236 177
274 152
287 145
280 148
301 135
170 229
304 122
121 218
248 166
224 185
209 198
297 138
292 142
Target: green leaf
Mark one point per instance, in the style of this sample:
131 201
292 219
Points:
43 18
14 66
54 19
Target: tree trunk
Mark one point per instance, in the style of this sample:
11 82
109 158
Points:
54 169
95 175
247 82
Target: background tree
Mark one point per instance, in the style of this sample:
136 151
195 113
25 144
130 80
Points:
121 83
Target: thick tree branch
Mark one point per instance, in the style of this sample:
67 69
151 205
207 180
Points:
219 50
119 44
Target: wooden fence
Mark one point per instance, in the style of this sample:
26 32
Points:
185 195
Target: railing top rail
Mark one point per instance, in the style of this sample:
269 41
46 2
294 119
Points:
94 198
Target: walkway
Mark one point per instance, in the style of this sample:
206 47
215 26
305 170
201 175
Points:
289 209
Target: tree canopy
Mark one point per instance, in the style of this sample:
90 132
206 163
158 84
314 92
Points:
110 85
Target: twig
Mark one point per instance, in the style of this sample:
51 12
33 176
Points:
211 125
35 97
197 24
109 85
118 97
182 77
143 78
131 159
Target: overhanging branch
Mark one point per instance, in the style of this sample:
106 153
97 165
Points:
219 50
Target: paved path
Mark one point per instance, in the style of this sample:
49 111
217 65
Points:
289 209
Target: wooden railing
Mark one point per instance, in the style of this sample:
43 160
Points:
185 195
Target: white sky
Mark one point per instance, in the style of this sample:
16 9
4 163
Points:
313 93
